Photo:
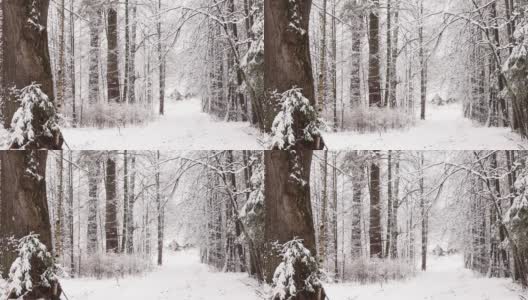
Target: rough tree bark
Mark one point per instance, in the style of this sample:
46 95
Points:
375 209
24 210
374 82
25 58
112 241
112 72
288 211
287 59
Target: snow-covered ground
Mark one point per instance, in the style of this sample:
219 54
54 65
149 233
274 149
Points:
184 127
446 279
182 277
445 128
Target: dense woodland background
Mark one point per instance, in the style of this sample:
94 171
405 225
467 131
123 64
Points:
366 216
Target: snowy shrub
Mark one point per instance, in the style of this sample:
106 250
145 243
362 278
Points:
297 273
111 265
367 120
252 213
35 123
32 255
292 105
112 115
253 60
3 288
367 271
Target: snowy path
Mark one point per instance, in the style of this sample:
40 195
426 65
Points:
184 127
445 280
182 277
445 128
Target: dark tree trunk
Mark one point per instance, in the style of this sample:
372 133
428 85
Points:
288 211
25 58
112 72
374 82
24 210
112 242
375 211
287 58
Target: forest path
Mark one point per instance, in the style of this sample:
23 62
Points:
181 277
445 128
184 127
446 279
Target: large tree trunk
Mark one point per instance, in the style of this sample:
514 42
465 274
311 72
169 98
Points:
24 210
375 210
112 72
374 83
112 242
288 211
287 58
25 58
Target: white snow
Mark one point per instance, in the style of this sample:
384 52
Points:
181 277
184 127
445 128
446 279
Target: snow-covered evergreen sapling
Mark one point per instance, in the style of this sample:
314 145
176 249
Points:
33 275
296 122
297 274
35 123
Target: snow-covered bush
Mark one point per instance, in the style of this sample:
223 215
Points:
298 272
367 271
33 268
293 106
3 288
367 120
253 60
35 123
111 115
252 213
111 265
